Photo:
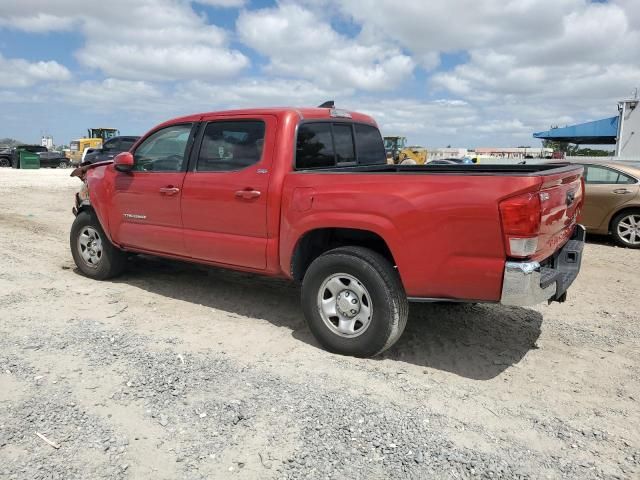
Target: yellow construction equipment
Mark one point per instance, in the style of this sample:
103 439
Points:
94 139
400 154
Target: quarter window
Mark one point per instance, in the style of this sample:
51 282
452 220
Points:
605 176
228 146
164 150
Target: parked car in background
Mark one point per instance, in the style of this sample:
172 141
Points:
15 152
53 159
612 200
109 149
307 194
5 157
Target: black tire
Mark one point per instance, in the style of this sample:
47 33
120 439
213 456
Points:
389 305
615 223
5 162
111 261
63 164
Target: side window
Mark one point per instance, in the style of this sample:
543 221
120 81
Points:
369 145
164 150
605 176
228 146
315 146
343 140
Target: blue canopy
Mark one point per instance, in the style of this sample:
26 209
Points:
600 132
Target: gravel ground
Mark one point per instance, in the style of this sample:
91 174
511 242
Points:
175 371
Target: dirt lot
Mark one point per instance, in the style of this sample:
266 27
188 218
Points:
177 371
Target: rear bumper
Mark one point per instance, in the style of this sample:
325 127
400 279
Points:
530 283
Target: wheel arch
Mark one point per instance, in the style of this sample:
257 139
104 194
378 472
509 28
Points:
317 241
88 207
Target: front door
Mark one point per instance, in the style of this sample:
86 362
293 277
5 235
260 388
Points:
146 213
224 196
606 190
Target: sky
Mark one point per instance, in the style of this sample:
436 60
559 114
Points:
464 73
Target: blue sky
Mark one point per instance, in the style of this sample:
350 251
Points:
443 72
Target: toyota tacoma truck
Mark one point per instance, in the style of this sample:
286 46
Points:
306 194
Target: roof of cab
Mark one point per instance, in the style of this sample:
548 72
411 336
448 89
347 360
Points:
303 113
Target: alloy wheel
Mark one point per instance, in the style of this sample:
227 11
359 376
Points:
629 229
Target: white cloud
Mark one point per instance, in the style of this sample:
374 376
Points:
523 64
576 74
222 3
526 66
301 44
142 40
21 73
111 94
254 92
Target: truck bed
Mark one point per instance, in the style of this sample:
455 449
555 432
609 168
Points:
441 222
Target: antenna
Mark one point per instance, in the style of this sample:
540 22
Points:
328 104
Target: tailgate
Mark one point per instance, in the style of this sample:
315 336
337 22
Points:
561 199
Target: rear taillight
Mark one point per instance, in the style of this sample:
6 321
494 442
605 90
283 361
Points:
521 218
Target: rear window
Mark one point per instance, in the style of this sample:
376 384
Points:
328 144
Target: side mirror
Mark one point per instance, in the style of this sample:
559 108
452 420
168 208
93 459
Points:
123 162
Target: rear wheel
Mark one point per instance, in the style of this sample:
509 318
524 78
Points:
625 228
354 302
4 162
93 253
63 164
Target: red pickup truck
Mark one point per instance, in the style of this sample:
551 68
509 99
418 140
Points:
307 194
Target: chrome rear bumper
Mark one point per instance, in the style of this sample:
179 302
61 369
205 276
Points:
529 283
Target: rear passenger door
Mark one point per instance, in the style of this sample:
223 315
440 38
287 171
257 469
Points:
225 192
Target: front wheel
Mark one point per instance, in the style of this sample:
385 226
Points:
95 256
63 164
354 302
4 162
626 229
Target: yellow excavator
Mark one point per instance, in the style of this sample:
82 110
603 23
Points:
94 139
399 153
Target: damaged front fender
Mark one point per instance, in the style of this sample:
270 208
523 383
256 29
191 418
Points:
83 199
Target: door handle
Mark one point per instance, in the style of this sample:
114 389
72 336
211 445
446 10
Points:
621 191
169 190
248 194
